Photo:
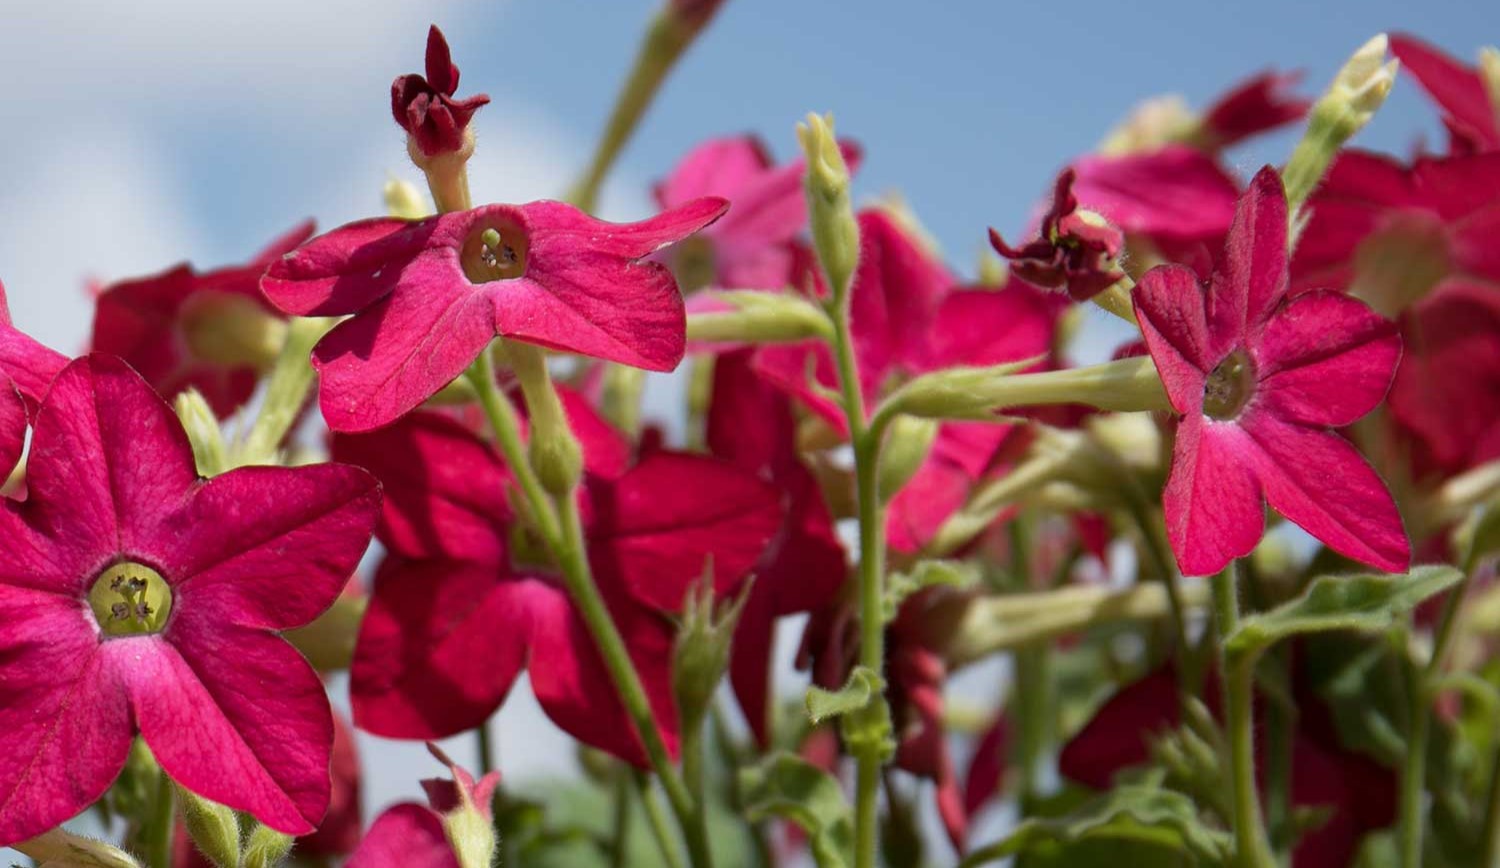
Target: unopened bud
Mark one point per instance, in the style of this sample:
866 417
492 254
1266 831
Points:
404 200
906 446
701 652
747 316
203 431
979 393
830 215
266 847
1489 72
232 330
67 850
465 805
214 828
1359 89
1152 124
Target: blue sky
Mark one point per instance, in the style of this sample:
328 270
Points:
171 129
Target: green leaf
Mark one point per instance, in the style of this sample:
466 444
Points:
1130 814
863 683
787 786
1367 603
925 574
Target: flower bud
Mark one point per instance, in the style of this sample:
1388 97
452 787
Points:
747 316
62 849
1360 88
404 200
701 652
979 393
203 432
1152 124
266 847
214 828
231 329
1489 72
906 446
830 216
466 808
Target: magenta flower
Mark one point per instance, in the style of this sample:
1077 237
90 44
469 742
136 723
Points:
1177 197
907 318
752 246
1072 253
1401 229
1446 397
141 598
1469 112
750 423
1259 377
150 322
425 107
428 296
452 621
1256 105
406 835
24 361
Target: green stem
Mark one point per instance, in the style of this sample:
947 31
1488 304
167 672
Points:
866 442
507 428
1252 850
692 775
1489 840
666 38
157 836
286 391
485 748
621 842
1165 566
1279 728
729 756
657 820
1414 768
611 645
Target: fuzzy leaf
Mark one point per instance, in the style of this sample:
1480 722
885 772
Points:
788 786
1126 815
925 574
1367 603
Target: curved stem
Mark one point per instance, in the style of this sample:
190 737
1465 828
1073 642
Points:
157 836
656 821
1252 849
506 426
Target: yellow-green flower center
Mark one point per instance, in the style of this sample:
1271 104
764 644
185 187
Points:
693 263
495 251
1229 387
130 599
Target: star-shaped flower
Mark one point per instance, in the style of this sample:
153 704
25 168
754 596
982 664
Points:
1259 377
1073 252
141 598
428 296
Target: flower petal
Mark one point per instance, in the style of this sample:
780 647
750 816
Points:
1452 85
894 298
234 714
400 351
439 648
407 835
271 547
65 724
24 359
12 426
657 527
573 686
1169 304
559 231
1177 192
444 489
1321 483
349 268
987 327
718 167
110 465
1117 737
1212 503
1254 276
1325 358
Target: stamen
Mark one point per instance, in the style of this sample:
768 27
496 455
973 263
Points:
130 599
1229 387
496 252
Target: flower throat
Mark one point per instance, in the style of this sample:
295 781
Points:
130 599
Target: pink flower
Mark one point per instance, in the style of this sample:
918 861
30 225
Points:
428 296
907 318
141 598
26 370
1259 377
1446 397
1072 253
1468 111
409 835
752 247
1401 229
425 107
750 423
453 621
149 322
1255 105
1176 195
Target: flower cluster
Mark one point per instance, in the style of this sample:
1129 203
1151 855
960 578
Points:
1196 556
